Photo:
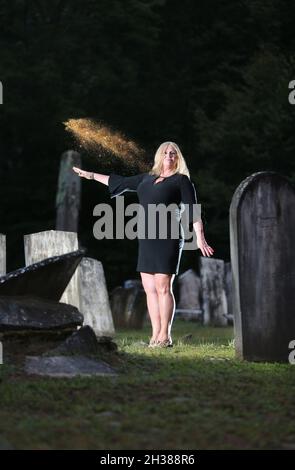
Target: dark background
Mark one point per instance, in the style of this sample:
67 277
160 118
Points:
210 75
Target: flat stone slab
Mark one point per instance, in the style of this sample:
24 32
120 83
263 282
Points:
46 279
67 366
22 313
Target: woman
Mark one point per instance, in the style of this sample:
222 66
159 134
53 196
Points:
167 183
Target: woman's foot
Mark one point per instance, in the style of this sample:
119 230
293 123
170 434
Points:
152 342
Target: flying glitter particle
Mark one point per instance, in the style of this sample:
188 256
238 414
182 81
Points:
97 137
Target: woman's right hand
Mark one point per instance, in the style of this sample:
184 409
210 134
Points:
82 173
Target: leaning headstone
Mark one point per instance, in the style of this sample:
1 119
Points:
213 292
68 193
46 279
94 299
2 254
42 245
262 234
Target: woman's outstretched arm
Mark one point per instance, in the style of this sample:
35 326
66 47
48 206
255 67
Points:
104 179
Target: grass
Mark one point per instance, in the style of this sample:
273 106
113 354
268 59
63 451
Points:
195 395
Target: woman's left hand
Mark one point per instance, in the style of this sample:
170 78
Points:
204 247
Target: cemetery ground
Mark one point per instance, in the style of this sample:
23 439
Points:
196 395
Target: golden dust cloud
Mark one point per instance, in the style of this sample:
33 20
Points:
95 137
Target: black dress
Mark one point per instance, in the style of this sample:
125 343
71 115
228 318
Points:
156 255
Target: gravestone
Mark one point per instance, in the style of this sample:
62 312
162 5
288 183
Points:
46 279
128 305
68 193
94 299
42 245
228 291
213 292
262 234
118 300
135 308
2 254
189 306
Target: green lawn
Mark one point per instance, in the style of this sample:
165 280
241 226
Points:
195 395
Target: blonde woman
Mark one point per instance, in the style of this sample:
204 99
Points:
168 182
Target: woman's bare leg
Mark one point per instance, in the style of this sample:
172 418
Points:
166 298
149 286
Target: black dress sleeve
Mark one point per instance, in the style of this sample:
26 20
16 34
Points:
119 184
189 199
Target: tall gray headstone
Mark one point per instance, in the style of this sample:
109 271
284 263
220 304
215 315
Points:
262 235
2 254
213 291
42 245
94 298
68 193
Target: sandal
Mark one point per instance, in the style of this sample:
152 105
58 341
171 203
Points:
167 343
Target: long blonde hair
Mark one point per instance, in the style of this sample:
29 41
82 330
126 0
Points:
181 166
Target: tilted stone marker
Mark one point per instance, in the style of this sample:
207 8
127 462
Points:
46 279
94 299
2 254
68 193
262 235
42 245
213 291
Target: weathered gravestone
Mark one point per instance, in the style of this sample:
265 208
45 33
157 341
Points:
46 279
262 235
213 291
68 193
94 299
188 306
228 291
128 306
49 243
